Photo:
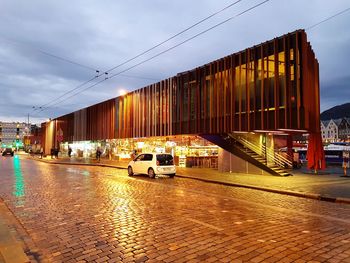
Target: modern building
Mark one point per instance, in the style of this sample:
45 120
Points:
11 134
256 99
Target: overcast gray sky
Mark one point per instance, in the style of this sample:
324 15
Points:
103 34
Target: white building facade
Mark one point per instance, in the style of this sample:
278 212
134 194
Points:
337 130
330 130
12 133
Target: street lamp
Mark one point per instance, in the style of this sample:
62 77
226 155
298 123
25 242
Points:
122 92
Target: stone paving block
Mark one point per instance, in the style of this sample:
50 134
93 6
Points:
123 215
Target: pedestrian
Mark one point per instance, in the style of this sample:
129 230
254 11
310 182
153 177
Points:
98 154
109 153
41 152
69 152
52 152
345 162
56 152
133 154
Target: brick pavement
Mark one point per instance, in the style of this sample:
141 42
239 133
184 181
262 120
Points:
327 185
11 246
98 214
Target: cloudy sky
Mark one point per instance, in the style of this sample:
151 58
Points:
48 48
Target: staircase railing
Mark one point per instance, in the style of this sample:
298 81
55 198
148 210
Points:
269 154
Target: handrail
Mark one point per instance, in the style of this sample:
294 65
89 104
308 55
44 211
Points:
279 158
270 154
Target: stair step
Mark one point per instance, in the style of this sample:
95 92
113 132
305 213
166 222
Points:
260 158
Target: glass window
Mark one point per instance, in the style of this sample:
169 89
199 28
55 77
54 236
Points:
271 78
243 87
237 90
185 103
148 157
208 96
140 157
258 85
228 94
193 101
281 78
251 71
165 159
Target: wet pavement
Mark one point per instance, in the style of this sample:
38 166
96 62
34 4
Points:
99 214
327 184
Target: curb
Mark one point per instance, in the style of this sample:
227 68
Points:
272 190
12 244
266 189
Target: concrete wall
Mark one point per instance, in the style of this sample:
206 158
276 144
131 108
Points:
231 163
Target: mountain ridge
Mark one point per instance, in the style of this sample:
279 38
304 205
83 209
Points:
336 112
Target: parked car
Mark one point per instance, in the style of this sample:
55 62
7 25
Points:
152 164
8 151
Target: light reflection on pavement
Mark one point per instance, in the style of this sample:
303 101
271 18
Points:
19 184
94 213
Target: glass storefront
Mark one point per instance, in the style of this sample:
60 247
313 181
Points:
188 151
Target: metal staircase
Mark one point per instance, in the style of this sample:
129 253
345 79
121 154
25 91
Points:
269 161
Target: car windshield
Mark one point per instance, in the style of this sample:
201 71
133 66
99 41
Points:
165 159
8 150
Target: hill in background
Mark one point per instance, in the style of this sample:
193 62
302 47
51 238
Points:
336 112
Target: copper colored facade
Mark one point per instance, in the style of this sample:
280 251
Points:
271 86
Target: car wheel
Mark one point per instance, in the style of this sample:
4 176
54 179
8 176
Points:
171 175
151 173
130 171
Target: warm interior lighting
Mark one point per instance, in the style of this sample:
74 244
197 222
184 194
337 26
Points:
292 130
279 132
240 132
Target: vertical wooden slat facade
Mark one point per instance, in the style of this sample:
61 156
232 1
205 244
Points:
270 86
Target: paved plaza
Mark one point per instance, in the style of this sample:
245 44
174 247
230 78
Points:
66 213
329 184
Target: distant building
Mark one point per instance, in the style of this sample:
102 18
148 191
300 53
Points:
329 130
335 130
324 125
344 129
11 133
32 141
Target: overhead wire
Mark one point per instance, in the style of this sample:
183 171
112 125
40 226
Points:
327 19
49 54
67 61
119 73
160 53
148 50
84 83
174 36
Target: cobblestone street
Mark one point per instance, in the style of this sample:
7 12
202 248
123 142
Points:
79 214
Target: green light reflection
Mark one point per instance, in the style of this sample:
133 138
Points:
19 182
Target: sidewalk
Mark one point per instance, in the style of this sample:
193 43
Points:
11 249
327 185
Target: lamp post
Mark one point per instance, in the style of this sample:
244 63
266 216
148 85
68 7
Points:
34 108
28 128
122 92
